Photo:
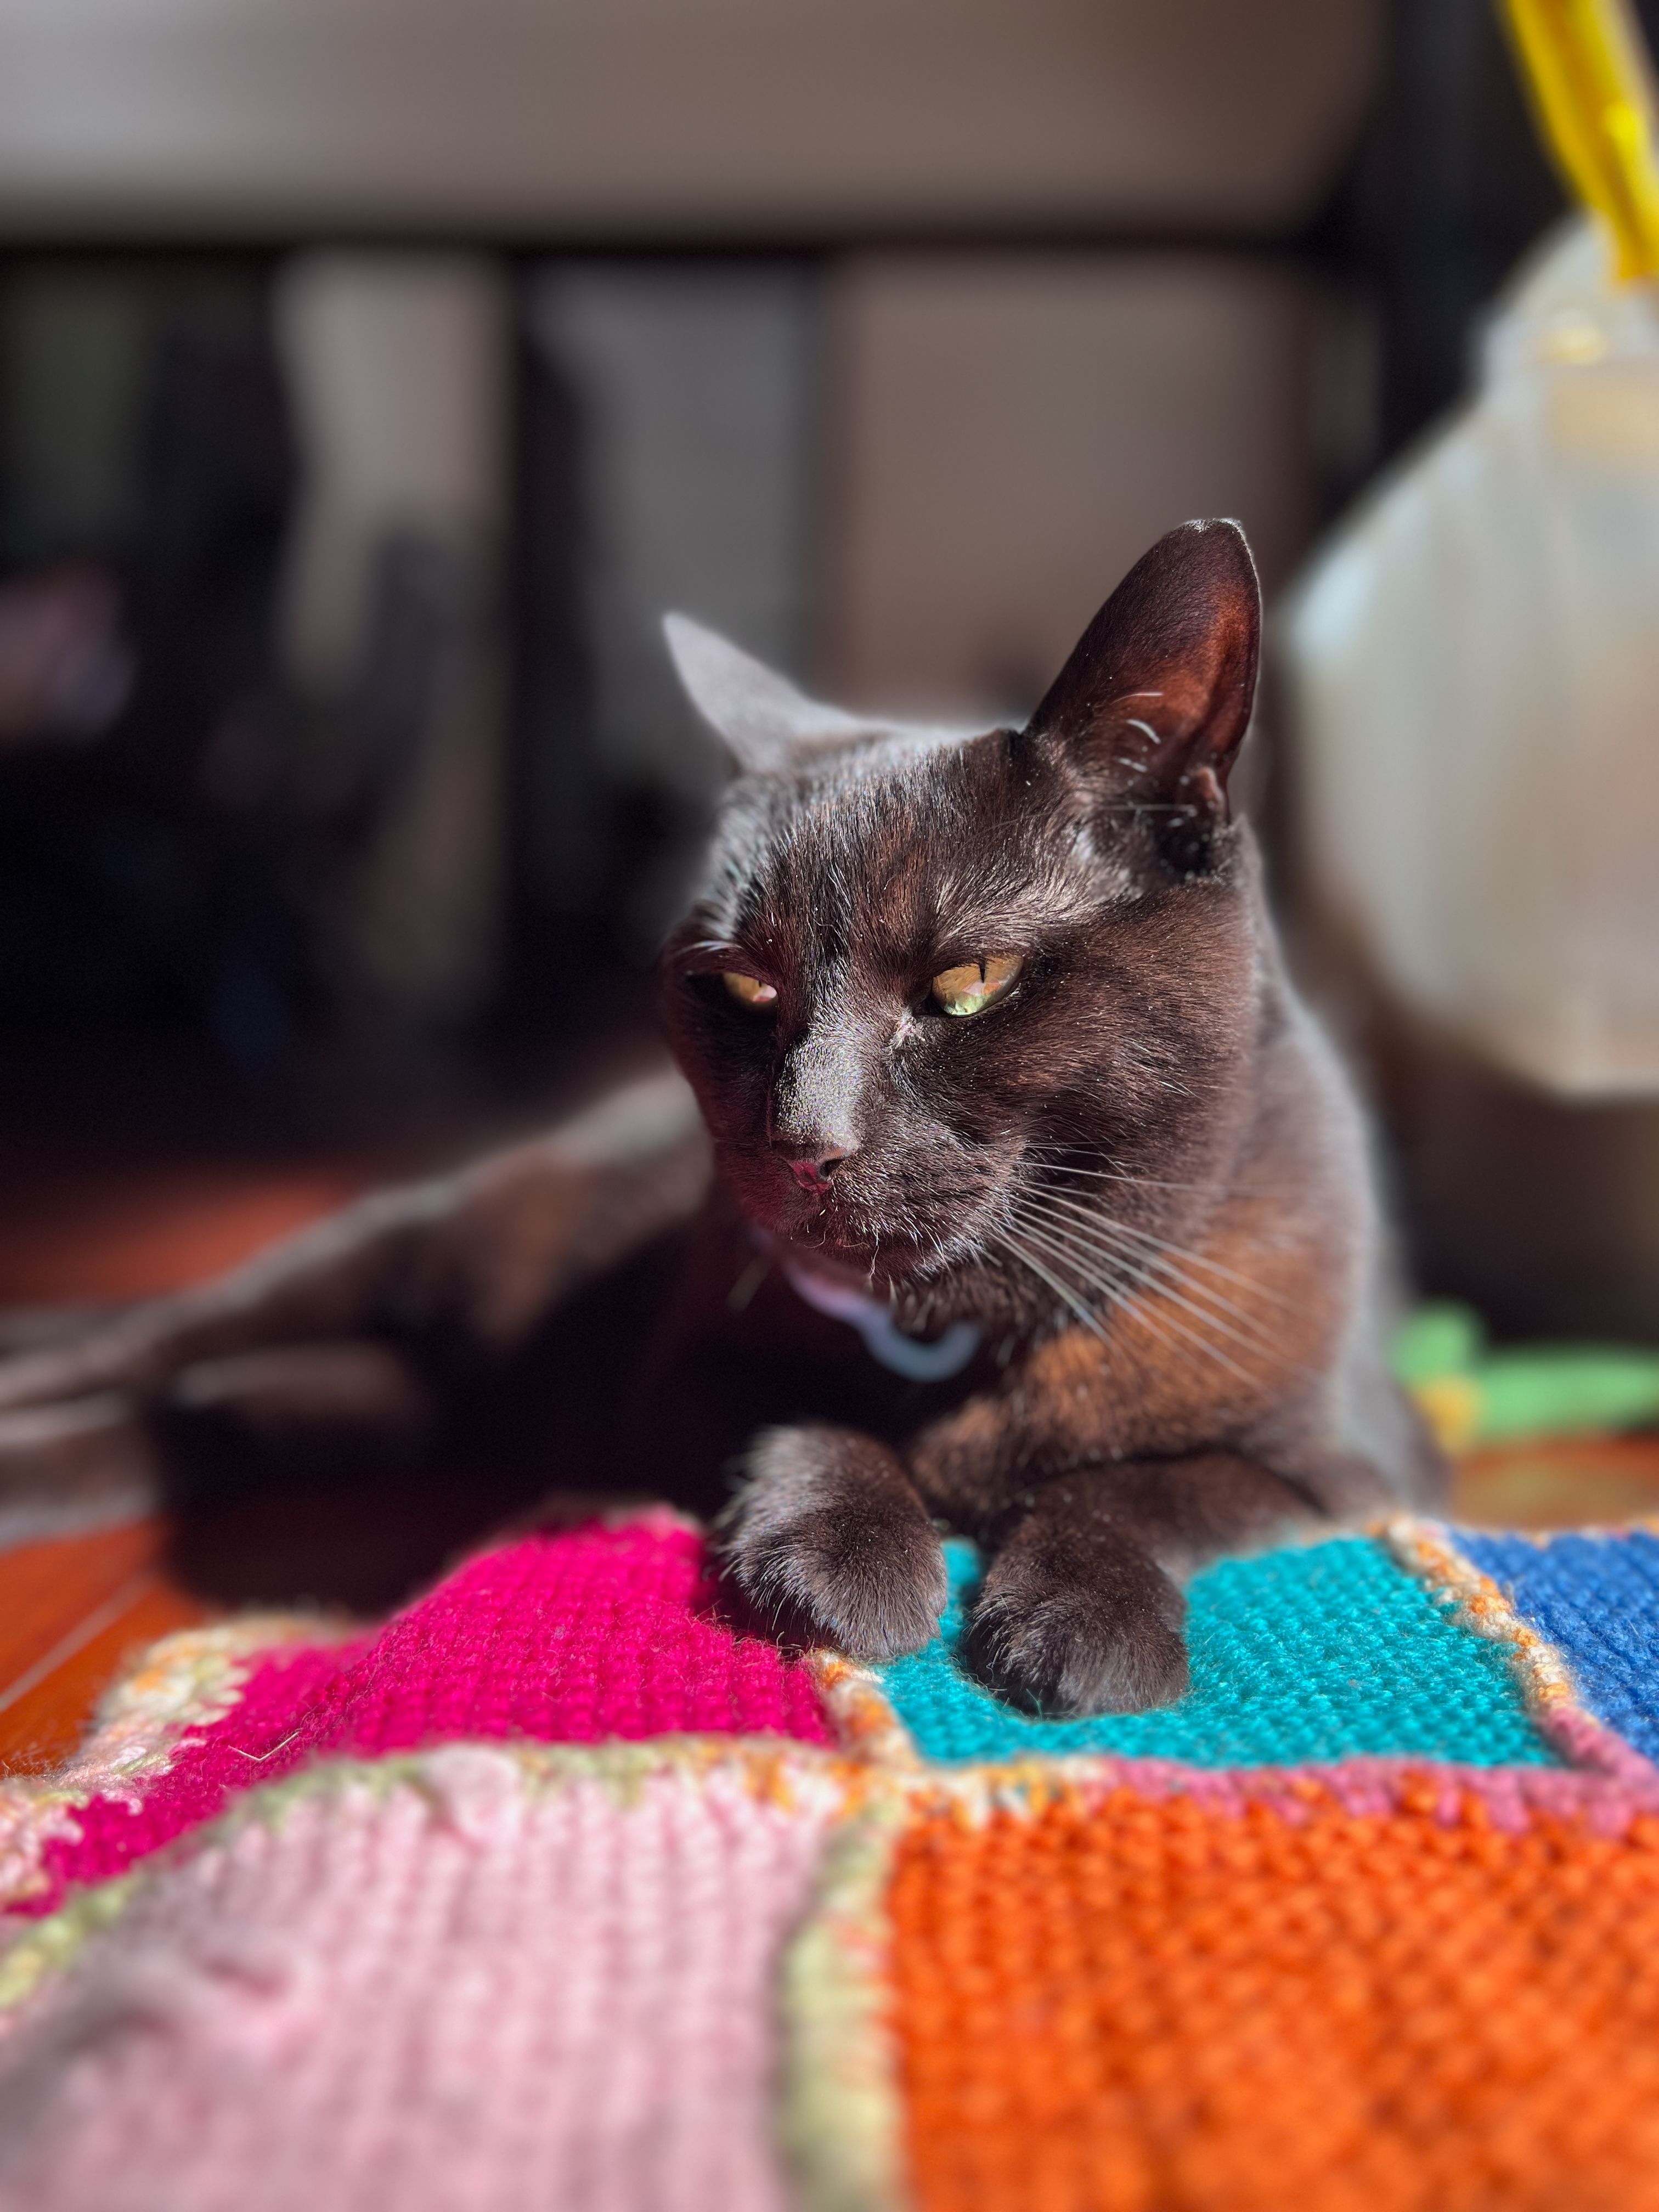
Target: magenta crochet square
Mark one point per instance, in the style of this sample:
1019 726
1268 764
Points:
567 1640
570 1637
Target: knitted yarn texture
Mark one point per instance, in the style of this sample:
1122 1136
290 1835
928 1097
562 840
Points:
558 1890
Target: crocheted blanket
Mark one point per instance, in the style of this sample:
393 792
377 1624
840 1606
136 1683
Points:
554 1890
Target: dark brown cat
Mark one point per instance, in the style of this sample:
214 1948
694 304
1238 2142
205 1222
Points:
1043 1211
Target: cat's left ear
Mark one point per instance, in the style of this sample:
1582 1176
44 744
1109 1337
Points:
765 721
1154 703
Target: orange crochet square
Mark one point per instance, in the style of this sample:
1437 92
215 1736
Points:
1149 2007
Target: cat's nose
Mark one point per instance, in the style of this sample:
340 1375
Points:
814 1169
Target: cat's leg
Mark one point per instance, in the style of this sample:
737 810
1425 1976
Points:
466 1265
1081 1609
827 1531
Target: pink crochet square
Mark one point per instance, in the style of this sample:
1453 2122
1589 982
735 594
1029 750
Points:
469 1989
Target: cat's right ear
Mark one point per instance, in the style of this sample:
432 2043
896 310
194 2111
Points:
764 720
1153 704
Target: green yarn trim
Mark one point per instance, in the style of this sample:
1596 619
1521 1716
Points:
841 2118
47 1946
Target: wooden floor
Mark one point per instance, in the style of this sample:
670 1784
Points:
72 1614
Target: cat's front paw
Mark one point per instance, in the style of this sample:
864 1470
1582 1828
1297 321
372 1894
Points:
1068 1639
827 1531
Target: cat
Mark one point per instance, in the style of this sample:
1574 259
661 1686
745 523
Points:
1040 1209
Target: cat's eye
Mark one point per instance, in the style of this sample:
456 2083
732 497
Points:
975 984
748 990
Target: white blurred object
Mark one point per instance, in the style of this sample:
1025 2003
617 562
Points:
694 390
399 371
1475 671
399 374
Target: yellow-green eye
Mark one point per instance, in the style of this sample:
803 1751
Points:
976 984
748 990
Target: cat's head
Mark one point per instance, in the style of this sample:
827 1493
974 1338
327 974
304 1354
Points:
931 972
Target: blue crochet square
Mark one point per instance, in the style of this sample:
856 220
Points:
1323 1652
1596 1598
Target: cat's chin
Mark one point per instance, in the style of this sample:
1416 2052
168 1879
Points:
851 1259
879 1264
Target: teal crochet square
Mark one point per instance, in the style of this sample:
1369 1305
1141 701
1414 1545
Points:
1329 1651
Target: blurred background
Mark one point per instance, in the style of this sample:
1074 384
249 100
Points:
373 372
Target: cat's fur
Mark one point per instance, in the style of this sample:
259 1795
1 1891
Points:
1140 1174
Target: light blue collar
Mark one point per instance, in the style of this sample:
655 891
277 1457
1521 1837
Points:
883 1340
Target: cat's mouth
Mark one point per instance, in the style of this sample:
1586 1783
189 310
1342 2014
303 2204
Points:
877 1254
885 1230
869 1256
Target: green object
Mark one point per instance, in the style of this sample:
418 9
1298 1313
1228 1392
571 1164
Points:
1532 1390
1438 1341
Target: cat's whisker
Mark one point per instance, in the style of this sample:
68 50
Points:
1176 1251
1185 1252
1184 1345
1067 1297
1115 1235
1173 1260
1163 1328
1182 1341
1152 1278
1214 1190
1111 1288
1047 1157
1160 1277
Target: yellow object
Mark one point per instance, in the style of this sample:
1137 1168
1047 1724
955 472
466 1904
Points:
1451 1406
1586 69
